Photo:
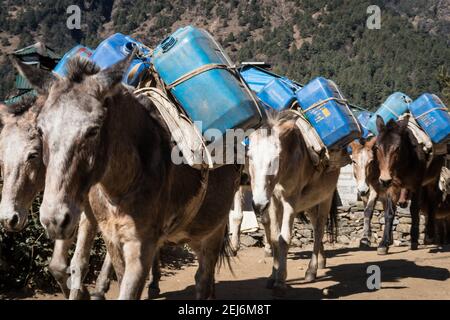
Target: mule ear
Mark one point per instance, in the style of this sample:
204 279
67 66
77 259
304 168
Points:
380 124
39 79
107 80
371 142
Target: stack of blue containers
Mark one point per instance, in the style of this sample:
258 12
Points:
394 106
363 118
277 93
432 115
325 108
196 70
109 52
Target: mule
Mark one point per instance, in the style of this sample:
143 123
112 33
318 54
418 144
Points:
402 163
237 216
285 182
367 173
103 144
23 173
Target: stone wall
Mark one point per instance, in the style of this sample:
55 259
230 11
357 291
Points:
350 227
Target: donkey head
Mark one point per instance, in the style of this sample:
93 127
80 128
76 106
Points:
265 154
389 147
21 163
71 125
362 156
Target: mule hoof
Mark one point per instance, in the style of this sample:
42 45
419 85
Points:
382 250
414 246
310 276
98 296
364 244
270 283
153 292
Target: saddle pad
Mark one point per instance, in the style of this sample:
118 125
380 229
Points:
317 150
185 134
420 135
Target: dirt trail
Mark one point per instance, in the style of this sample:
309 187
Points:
405 274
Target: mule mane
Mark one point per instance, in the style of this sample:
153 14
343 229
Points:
78 68
21 107
278 118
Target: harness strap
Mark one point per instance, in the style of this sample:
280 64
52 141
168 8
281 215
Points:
196 72
322 102
431 110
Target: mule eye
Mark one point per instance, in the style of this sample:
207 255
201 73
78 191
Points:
32 155
92 132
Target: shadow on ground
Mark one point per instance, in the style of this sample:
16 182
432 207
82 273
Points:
349 278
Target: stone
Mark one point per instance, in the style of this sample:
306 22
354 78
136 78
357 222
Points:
306 233
381 220
397 243
403 228
405 220
396 221
295 242
343 239
248 241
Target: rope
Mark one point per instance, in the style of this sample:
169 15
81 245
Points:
431 110
322 102
196 72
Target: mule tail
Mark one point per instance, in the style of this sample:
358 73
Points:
332 225
226 252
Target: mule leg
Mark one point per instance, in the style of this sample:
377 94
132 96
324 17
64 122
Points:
59 264
415 219
236 220
138 255
208 252
153 287
389 213
368 213
318 219
284 240
103 279
80 262
275 214
265 220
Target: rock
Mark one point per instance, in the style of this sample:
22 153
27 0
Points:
379 206
397 243
403 228
344 208
343 239
248 241
306 233
405 220
296 242
381 220
422 228
396 221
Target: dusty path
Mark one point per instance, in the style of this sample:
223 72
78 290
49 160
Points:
405 274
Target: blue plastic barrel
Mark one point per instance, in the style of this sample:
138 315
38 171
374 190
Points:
363 117
394 106
215 96
432 115
79 50
276 92
116 48
325 108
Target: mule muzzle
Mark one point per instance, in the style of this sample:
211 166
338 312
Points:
385 183
58 224
260 207
12 222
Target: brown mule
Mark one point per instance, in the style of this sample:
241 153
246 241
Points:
403 164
